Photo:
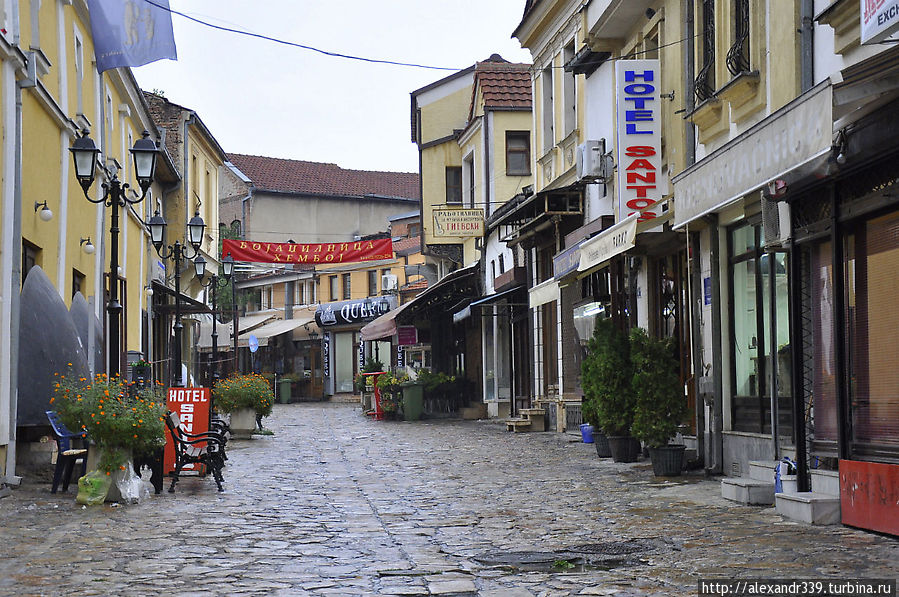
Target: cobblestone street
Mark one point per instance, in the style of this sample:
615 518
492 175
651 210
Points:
337 504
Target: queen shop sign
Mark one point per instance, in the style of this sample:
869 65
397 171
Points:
353 312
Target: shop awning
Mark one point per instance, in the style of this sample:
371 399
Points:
249 322
495 297
269 330
543 293
384 326
608 243
204 341
447 291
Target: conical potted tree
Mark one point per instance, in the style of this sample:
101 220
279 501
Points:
606 378
660 404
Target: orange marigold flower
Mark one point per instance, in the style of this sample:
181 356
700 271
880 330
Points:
51 400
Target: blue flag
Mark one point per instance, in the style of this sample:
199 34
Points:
131 32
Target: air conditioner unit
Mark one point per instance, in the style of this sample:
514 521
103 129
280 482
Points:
388 282
591 160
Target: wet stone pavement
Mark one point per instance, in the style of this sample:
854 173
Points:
337 504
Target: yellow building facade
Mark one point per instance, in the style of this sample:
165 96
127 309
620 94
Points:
50 91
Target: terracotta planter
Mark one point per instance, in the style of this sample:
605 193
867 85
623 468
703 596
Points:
243 423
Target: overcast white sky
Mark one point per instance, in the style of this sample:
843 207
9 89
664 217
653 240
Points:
262 98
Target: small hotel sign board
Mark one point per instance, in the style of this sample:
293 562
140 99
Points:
192 406
879 18
641 183
459 222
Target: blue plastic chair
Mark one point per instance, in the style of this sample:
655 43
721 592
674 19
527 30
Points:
67 455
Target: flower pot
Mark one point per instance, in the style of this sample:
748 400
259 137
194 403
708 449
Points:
667 461
243 423
623 448
587 433
601 441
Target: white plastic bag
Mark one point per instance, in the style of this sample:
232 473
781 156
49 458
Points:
128 484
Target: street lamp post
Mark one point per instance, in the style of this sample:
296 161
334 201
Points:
213 283
84 154
178 253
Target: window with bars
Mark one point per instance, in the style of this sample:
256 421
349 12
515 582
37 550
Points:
738 55
705 80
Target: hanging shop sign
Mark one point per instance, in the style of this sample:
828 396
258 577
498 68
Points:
361 355
406 335
260 252
192 406
353 312
641 183
879 18
326 355
567 261
605 245
459 222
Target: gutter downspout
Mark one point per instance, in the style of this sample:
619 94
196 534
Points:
243 212
806 44
15 294
715 466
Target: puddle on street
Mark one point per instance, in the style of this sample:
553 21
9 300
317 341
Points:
581 558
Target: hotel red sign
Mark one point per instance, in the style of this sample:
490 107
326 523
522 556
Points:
311 253
192 406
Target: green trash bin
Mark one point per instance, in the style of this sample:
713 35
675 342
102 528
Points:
284 390
413 401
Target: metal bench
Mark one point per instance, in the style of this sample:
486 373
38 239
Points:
207 449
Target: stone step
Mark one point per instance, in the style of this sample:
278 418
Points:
749 492
809 506
762 470
474 412
526 412
518 425
826 482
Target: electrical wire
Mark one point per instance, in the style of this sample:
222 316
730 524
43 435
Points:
297 45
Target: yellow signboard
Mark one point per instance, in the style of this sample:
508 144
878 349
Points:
459 222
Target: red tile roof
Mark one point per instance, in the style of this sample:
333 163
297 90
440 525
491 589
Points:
407 245
297 176
504 85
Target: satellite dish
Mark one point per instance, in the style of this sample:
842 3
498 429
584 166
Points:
253 343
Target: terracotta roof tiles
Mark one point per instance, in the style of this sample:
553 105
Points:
504 85
298 176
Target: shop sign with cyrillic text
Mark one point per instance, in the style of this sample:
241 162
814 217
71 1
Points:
308 253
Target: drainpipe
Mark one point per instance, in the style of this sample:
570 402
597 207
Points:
694 281
243 213
715 465
15 294
797 357
807 44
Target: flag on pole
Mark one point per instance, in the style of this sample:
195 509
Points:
131 32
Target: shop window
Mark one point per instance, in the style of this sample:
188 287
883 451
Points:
347 292
454 185
872 259
705 80
518 153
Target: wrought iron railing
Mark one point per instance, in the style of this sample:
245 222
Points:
704 85
738 55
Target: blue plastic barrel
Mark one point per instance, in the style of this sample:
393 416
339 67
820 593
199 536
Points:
587 433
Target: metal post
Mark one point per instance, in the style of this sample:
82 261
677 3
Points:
179 327
215 334
114 307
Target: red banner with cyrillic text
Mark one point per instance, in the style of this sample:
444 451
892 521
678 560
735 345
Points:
310 253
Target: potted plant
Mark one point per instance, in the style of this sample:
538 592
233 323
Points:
391 389
247 398
606 377
122 420
660 404
141 370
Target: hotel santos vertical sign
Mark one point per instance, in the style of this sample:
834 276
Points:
641 183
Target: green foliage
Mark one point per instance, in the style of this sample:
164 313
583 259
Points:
660 405
237 392
117 417
435 382
372 366
391 388
606 378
